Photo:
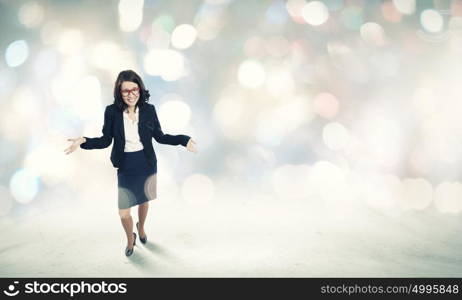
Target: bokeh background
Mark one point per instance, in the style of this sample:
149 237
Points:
341 111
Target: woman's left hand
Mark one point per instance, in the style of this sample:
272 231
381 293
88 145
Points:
190 146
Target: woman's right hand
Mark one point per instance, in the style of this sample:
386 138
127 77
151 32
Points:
75 144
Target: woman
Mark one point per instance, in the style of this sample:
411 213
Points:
132 122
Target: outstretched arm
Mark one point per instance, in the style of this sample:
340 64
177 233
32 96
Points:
168 139
105 140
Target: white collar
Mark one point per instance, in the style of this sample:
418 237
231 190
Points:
136 111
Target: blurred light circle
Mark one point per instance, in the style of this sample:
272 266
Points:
130 5
448 197
276 13
381 191
352 17
6 201
406 7
372 33
390 13
334 5
382 137
331 183
31 14
255 47
277 46
326 105
280 83
431 20
338 49
295 8
174 115
251 74
169 64
417 194
209 21
183 36
198 189
73 67
335 136
158 39
125 195
70 41
104 54
150 187
24 185
164 22
293 114
16 53
315 13
130 14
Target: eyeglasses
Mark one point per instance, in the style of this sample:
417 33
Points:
135 91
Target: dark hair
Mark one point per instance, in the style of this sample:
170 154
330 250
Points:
129 75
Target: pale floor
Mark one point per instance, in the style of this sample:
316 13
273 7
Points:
244 239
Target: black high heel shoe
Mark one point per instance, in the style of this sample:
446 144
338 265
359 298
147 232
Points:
129 252
142 240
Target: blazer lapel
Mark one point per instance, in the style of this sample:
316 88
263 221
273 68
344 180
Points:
143 115
119 124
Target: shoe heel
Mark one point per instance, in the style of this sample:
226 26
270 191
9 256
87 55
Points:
129 252
142 240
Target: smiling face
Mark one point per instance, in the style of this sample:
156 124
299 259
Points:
130 93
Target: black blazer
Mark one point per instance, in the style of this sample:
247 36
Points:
148 128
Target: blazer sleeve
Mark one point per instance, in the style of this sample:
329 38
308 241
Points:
105 140
168 139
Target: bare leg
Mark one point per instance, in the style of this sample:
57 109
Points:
142 214
127 223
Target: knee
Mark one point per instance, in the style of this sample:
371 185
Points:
124 213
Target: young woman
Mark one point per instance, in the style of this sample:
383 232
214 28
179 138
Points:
132 122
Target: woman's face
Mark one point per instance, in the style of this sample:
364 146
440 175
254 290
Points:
130 93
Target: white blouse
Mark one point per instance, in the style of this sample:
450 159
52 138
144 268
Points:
132 137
